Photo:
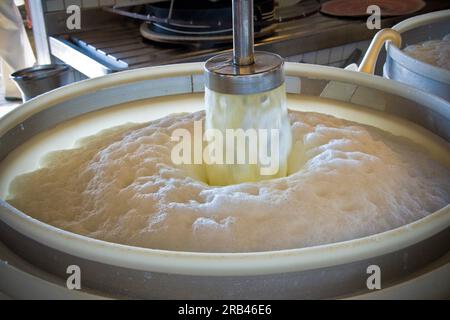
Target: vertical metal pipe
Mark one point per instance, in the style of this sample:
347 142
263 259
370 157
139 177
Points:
40 32
243 32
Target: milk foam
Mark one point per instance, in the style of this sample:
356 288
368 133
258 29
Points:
435 52
345 181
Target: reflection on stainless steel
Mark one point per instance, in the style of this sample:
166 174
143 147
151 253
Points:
79 60
243 32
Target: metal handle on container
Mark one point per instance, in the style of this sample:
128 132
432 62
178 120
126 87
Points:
243 52
370 58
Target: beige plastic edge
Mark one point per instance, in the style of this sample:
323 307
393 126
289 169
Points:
217 264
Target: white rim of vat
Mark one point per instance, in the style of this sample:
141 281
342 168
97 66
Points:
420 67
221 264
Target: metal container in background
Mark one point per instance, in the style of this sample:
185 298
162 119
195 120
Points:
41 79
401 67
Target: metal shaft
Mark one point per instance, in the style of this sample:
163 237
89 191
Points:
243 53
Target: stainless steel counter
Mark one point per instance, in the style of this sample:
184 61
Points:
119 46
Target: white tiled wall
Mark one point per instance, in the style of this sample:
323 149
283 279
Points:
336 54
89 3
54 5
72 2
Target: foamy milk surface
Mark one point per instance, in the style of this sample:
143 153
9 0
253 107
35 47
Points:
345 180
435 52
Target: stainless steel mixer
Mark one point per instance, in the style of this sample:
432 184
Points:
244 71
244 91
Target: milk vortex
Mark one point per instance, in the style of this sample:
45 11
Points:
250 136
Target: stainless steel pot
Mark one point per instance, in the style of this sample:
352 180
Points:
40 79
401 67
326 271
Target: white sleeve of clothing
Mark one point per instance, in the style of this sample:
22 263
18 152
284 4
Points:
15 47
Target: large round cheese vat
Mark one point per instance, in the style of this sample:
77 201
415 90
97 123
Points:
326 271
